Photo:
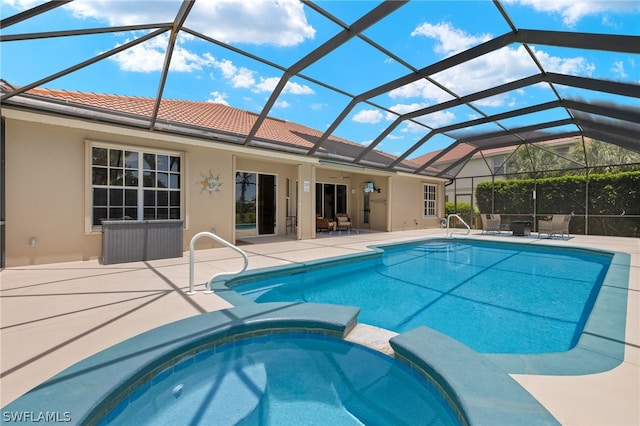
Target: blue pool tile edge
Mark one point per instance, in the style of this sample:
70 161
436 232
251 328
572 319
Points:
484 393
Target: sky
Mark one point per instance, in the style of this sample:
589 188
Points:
282 32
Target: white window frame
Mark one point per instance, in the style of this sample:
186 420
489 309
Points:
90 144
430 199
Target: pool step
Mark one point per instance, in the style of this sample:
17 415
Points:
440 248
308 412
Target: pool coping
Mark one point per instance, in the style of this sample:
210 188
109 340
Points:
92 387
482 390
600 346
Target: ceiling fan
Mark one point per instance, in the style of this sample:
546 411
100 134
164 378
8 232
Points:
342 176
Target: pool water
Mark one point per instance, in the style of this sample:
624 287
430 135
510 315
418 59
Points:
285 379
495 298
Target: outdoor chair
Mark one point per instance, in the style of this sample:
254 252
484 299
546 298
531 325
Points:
490 223
559 224
343 222
324 224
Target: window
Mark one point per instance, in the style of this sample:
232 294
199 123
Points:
499 165
429 200
133 184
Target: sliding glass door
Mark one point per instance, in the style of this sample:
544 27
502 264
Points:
255 204
330 199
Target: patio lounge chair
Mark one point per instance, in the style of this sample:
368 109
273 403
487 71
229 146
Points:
559 224
490 223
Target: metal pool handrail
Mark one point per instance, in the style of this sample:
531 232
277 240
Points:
449 234
221 241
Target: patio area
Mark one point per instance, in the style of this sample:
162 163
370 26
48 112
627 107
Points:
55 315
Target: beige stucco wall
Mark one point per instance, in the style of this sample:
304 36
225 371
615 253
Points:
48 188
407 204
44 193
48 193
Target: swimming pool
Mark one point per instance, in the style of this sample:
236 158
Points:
495 297
285 379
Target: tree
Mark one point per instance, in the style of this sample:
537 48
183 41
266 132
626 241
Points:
602 157
532 161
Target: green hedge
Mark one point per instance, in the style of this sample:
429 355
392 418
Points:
609 194
463 209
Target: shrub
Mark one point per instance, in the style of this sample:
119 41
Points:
608 195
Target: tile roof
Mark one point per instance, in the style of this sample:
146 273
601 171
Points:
462 150
214 117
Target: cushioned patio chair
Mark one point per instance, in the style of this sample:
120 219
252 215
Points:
490 223
324 224
343 221
559 224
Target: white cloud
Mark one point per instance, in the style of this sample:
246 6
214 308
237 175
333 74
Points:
450 40
280 23
482 73
238 77
282 104
618 69
316 106
394 137
297 89
574 66
149 57
21 4
266 84
433 120
270 83
420 89
404 109
368 116
123 12
218 98
436 119
573 11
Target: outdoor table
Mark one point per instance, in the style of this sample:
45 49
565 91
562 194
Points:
521 227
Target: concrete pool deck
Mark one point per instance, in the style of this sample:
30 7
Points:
56 315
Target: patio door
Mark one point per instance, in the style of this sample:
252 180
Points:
255 204
330 199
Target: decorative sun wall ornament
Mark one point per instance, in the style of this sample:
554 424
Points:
210 183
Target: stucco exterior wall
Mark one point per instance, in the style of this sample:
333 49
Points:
44 193
49 193
407 204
